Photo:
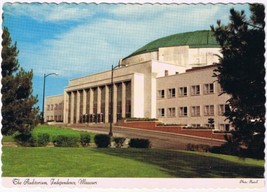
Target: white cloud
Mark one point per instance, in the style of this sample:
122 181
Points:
48 12
96 45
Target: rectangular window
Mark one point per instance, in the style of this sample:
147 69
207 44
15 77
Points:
182 91
166 72
220 89
48 107
209 125
224 127
161 112
223 108
161 94
209 88
196 125
195 111
171 93
195 90
171 112
52 107
209 110
183 111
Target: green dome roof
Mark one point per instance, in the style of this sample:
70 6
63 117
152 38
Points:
196 39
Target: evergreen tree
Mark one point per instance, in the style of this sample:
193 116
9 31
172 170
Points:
241 74
18 111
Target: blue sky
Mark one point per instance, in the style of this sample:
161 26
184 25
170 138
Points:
80 39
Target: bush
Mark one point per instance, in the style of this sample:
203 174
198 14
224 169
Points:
140 143
198 147
85 139
42 139
102 140
66 141
26 140
119 141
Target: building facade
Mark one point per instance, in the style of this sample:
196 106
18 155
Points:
54 107
169 79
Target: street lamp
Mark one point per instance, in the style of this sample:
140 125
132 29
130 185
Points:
45 76
111 100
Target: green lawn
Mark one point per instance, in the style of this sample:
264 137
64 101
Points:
52 131
116 162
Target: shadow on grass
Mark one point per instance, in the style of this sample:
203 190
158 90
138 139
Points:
188 165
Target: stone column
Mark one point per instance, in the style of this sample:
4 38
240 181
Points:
98 89
123 100
106 104
84 101
91 101
66 107
114 103
72 108
78 106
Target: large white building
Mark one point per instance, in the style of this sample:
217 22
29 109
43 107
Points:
170 79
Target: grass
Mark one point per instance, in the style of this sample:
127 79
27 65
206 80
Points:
126 162
72 162
52 131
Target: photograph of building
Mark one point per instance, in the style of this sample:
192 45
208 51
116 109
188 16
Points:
170 79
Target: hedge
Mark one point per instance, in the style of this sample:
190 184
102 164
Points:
139 143
66 141
102 140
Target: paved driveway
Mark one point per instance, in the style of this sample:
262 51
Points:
158 139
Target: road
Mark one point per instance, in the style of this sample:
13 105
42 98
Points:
158 139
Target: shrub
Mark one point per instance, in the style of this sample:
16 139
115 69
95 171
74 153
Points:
102 140
26 140
198 147
42 139
119 141
140 143
85 139
66 141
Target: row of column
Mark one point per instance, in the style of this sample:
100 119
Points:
94 104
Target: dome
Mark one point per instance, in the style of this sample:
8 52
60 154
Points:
196 39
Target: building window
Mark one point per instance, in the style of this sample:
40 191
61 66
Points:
209 88
224 127
223 108
209 125
48 107
47 118
166 72
171 93
195 111
209 110
56 107
195 90
161 112
161 94
183 111
220 89
182 91
195 125
171 112
51 118
52 107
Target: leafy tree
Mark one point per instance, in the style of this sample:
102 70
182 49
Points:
241 74
18 111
